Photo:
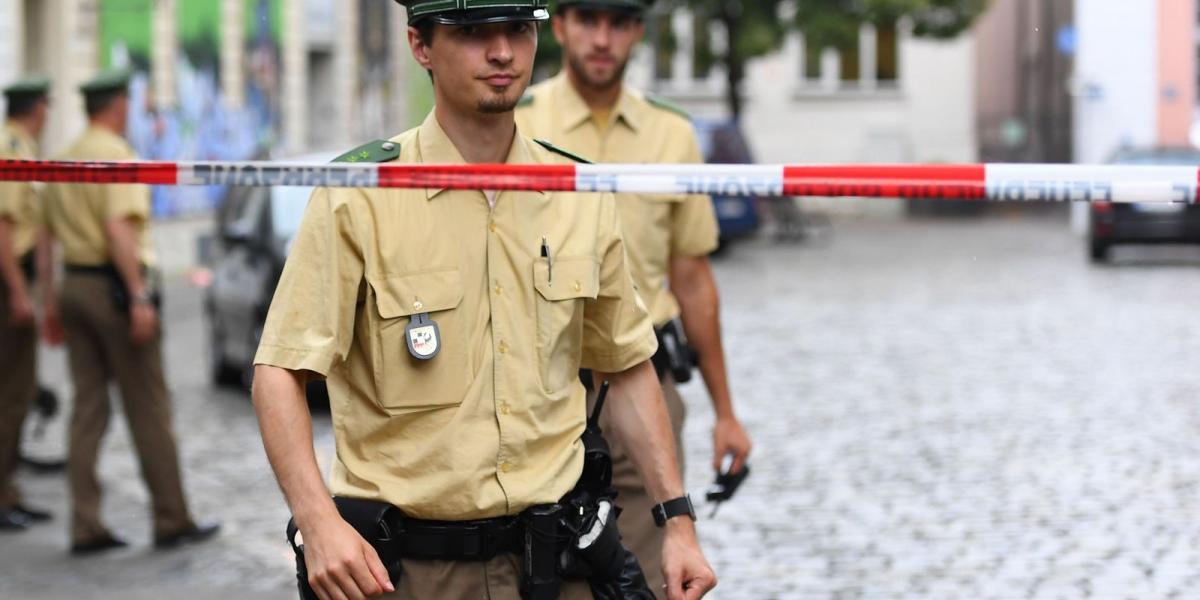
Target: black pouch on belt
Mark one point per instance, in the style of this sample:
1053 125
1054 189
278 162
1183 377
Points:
372 520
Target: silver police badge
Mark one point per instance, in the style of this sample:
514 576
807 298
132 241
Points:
424 338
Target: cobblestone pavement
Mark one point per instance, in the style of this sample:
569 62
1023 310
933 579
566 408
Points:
943 409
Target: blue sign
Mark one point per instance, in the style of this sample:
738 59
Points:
1067 39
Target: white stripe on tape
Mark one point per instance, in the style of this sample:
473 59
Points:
722 180
1091 183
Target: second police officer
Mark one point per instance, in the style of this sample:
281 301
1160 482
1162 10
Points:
449 326
588 109
109 313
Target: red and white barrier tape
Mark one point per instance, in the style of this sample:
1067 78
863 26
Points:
999 182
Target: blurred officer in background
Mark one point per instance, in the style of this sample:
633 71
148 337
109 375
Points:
588 109
450 325
21 232
109 309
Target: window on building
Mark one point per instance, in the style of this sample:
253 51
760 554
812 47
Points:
886 50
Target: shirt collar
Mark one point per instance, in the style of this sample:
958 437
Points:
437 149
576 112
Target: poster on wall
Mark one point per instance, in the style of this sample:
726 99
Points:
201 124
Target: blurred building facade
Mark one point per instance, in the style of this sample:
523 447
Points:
1023 73
893 98
219 79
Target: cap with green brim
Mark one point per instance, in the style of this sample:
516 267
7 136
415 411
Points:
475 12
111 80
33 85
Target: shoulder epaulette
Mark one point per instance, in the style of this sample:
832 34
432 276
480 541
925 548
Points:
377 151
555 149
526 100
667 105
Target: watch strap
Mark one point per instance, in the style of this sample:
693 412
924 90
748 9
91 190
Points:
673 508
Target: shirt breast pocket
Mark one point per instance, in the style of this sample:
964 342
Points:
562 289
402 382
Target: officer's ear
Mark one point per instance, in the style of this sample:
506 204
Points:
557 23
419 41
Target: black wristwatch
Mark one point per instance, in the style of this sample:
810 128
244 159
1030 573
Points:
673 508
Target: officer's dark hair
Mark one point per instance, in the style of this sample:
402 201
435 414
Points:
20 105
425 31
97 102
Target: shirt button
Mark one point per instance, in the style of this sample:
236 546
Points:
503 348
505 467
418 305
499 290
578 287
504 409
492 226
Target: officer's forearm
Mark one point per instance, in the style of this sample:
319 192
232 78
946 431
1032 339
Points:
123 248
695 288
45 267
10 268
286 426
640 423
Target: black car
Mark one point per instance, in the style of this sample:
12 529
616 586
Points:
254 229
1115 223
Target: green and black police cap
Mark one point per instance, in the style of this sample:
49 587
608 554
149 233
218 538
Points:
107 82
634 6
475 12
27 87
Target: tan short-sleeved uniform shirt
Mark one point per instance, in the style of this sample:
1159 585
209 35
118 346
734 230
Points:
656 227
19 202
490 425
76 212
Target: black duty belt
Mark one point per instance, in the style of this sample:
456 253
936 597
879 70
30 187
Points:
480 540
105 269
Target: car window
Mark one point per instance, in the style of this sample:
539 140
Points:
287 209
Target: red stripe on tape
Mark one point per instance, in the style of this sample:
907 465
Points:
90 172
952 182
558 178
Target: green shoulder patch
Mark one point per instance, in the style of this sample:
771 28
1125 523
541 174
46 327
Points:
555 149
667 105
526 100
374 152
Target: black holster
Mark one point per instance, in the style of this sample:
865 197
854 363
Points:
371 520
674 355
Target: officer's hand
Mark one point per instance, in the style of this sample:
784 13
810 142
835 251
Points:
342 565
685 569
730 439
20 310
143 322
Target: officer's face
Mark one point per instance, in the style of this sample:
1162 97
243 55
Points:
597 43
480 68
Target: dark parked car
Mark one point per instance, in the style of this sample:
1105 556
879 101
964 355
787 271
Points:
254 230
1115 223
722 142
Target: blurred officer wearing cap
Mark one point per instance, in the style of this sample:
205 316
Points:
21 231
588 109
450 327
110 318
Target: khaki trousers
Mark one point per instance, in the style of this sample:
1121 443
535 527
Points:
638 531
100 350
18 387
497 579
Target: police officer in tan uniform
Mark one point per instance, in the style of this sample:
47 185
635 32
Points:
110 315
450 326
587 109
27 103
